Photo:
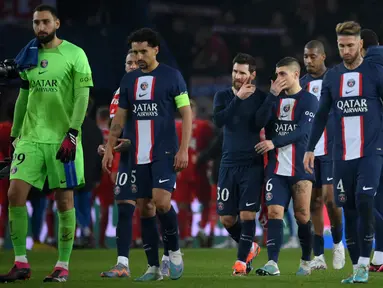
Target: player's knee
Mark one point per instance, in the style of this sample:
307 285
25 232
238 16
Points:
302 215
18 193
64 200
247 215
275 212
146 207
228 221
317 204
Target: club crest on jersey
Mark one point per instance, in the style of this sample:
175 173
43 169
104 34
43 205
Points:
133 187
269 196
220 206
14 170
144 86
117 190
44 63
315 89
350 83
342 198
286 108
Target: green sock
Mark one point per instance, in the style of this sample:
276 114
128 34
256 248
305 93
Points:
67 228
18 227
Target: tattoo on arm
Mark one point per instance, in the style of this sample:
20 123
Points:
116 130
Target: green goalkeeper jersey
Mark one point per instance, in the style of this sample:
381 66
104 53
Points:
52 106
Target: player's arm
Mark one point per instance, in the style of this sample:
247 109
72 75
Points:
321 117
304 125
222 114
20 107
265 111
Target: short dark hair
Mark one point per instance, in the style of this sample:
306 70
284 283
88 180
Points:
243 58
45 7
369 38
288 61
315 44
145 35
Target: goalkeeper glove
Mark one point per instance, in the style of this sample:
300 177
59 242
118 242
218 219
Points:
67 151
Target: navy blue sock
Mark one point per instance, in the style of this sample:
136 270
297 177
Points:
305 237
235 231
365 207
164 241
124 228
318 245
351 231
378 201
274 238
337 233
246 239
150 239
169 223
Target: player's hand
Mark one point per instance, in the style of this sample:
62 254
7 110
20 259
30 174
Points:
67 151
246 90
308 162
107 160
277 86
181 160
101 150
264 146
123 146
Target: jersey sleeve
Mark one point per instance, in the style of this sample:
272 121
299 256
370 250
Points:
304 124
81 71
123 101
321 117
222 114
181 96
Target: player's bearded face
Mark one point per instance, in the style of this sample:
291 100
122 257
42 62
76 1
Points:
349 48
131 62
240 75
45 26
146 55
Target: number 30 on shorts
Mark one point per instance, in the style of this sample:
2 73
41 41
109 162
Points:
222 195
122 178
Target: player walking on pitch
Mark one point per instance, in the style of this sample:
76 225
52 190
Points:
240 177
149 97
323 193
49 113
353 89
290 115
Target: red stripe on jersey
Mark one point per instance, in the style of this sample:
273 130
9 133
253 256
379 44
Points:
152 136
325 136
279 108
137 142
341 86
361 117
342 120
293 158
308 86
152 90
135 89
293 110
360 84
276 160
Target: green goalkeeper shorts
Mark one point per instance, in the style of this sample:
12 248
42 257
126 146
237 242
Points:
34 162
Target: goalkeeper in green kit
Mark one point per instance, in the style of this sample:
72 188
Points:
49 112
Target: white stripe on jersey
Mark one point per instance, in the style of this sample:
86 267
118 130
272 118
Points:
285 164
315 88
144 90
352 127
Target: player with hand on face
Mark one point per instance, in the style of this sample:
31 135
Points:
240 177
149 97
352 88
288 117
49 112
314 59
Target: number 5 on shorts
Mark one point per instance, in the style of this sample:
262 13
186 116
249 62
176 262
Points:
222 195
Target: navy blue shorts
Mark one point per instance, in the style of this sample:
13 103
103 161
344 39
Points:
158 174
125 187
356 176
323 168
278 189
239 189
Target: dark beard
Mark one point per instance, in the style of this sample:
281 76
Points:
142 64
46 38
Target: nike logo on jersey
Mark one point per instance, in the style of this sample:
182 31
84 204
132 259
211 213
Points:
249 204
163 181
62 181
348 92
367 188
142 95
42 72
329 179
